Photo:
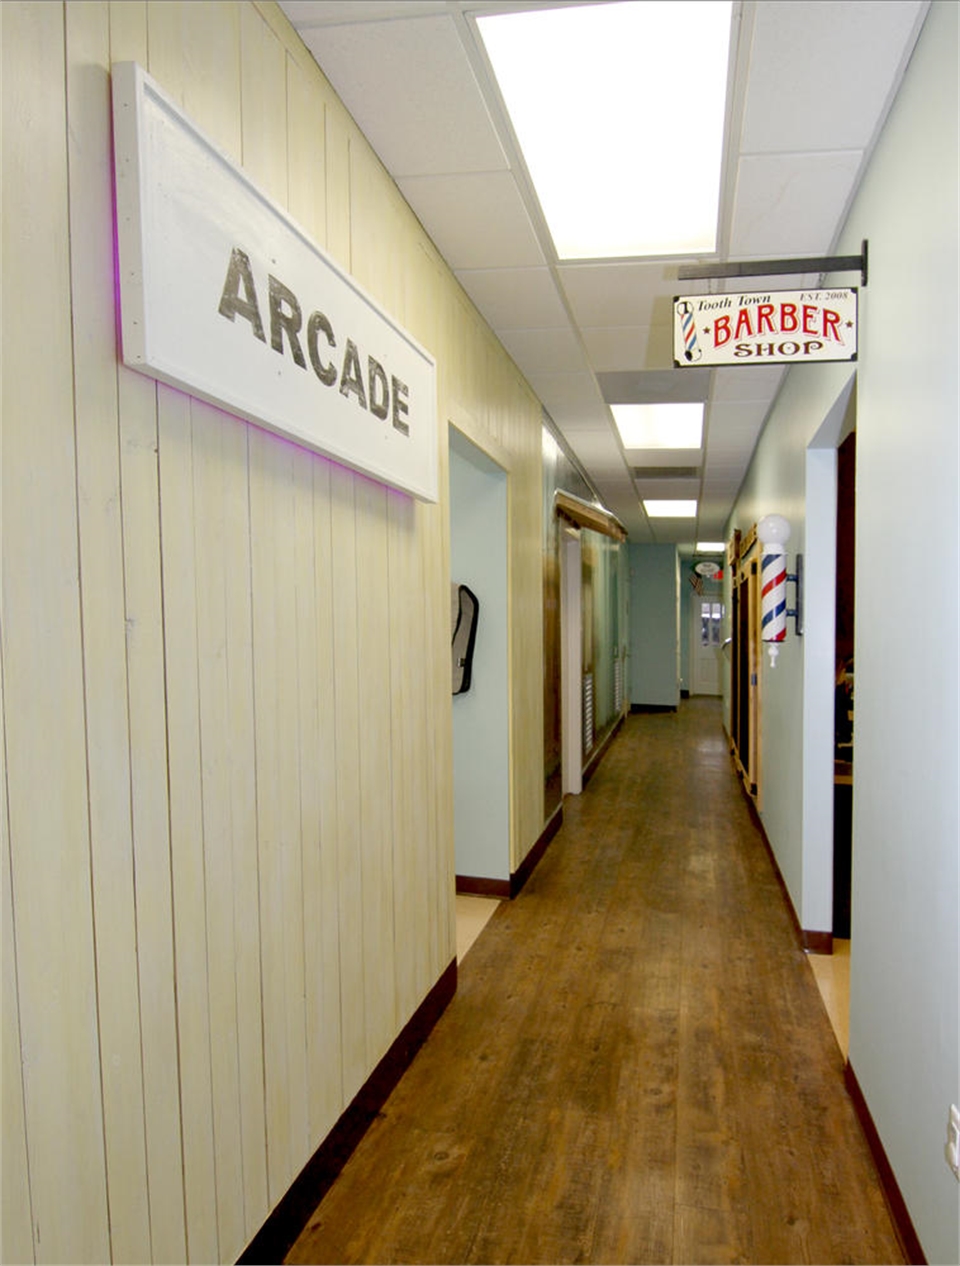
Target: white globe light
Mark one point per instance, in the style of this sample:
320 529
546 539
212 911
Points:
773 529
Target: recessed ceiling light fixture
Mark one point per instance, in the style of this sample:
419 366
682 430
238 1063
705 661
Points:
711 547
659 425
619 112
671 509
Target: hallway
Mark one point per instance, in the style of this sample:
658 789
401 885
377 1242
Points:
637 1066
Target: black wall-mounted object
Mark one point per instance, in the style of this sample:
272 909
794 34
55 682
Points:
465 610
779 267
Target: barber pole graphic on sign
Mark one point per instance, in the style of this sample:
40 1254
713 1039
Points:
781 327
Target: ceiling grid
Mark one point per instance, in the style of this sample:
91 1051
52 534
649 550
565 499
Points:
812 81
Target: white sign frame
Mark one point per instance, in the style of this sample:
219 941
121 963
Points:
223 295
776 327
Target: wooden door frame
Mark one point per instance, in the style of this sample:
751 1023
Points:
571 661
746 588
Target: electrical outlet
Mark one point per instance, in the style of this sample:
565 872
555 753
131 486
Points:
952 1149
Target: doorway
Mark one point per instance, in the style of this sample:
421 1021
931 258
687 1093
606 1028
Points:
706 622
745 668
843 694
481 735
571 660
833 972
827 750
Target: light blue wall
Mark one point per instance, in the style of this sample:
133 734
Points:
686 594
478 558
905 965
654 626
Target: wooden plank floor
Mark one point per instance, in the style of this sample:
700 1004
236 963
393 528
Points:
637 1066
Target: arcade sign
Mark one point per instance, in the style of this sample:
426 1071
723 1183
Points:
223 295
777 328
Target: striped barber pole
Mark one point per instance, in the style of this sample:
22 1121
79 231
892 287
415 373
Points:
773 597
688 329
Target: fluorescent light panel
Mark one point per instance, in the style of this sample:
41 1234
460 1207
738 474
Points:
671 509
711 547
659 425
619 112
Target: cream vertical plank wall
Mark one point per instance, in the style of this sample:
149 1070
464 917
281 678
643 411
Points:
227 788
45 724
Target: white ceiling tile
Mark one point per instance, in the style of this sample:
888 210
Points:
476 220
515 298
821 73
619 484
308 13
596 444
624 506
711 504
544 351
712 521
669 489
620 294
790 204
735 416
568 415
437 121
732 453
722 489
664 456
820 77
674 531
629 347
726 466
576 388
656 386
742 383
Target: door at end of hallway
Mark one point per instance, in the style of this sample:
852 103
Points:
706 621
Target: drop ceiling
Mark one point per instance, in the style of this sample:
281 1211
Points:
812 83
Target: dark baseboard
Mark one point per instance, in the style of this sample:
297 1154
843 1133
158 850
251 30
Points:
600 751
507 889
477 886
684 694
822 943
816 942
529 863
810 942
280 1231
903 1223
652 707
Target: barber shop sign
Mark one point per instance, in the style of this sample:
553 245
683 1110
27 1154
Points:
780 327
223 295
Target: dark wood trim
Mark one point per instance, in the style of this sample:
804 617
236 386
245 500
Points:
529 863
816 942
477 886
902 1222
282 1228
810 942
507 889
600 751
